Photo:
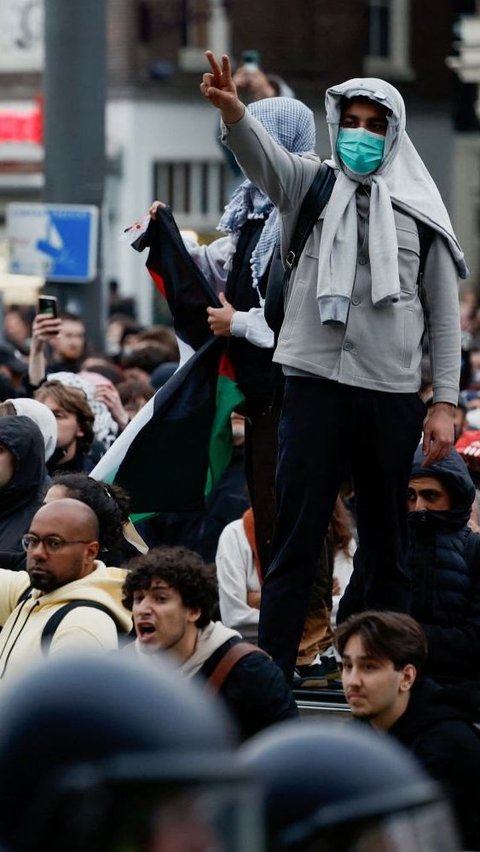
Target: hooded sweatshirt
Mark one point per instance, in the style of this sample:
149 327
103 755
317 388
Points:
254 691
443 560
82 629
23 494
440 727
42 416
365 254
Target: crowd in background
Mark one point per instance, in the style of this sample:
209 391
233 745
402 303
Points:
193 579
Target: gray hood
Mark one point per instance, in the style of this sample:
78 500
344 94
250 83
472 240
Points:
408 180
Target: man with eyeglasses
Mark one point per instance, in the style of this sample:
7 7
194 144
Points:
67 599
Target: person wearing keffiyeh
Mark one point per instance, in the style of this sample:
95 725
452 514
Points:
357 308
237 265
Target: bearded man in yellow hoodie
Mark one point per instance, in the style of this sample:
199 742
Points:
67 599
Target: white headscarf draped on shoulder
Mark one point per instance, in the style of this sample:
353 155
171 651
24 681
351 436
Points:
401 178
42 416
292 125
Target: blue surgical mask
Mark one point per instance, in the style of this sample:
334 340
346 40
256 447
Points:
360 149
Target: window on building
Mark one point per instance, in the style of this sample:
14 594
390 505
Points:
196 14
196 191
378 28
389 39
204 25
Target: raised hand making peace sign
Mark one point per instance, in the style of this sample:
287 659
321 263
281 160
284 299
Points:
218 87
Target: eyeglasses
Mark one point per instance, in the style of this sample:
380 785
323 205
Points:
51 543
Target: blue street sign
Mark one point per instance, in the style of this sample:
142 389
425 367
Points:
57 242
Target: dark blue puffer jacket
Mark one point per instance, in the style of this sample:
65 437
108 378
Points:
444 562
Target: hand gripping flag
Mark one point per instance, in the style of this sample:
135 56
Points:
176 448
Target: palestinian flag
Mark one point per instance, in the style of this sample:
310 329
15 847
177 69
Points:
176 448
179 280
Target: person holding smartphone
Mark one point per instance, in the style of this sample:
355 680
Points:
58 342
46 325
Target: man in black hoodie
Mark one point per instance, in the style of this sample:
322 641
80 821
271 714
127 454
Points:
382 653
443 560
22 478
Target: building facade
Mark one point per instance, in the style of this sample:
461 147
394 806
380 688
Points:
162 139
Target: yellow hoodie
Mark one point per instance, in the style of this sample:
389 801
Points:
83 628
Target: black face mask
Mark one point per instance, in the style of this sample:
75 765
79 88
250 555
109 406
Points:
56 457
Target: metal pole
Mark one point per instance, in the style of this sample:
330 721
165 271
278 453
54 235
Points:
75 94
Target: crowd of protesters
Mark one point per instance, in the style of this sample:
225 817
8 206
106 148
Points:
356 569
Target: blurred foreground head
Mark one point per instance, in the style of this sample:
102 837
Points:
343 788
108 755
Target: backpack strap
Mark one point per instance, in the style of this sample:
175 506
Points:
312 205
315 200
228 661
58 616
425 236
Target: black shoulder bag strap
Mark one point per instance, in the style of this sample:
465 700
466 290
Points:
425 237
58 616
312 205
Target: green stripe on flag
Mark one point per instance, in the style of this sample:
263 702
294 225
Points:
229 397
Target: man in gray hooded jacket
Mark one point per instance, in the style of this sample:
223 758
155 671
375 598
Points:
351 341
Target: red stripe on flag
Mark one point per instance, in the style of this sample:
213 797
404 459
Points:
225 367
158 281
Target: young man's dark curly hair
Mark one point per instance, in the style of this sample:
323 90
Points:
181 569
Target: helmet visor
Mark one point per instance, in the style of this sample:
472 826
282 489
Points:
426 829
216 811
429 828
206 818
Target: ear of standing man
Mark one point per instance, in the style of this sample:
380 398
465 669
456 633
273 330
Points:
351 342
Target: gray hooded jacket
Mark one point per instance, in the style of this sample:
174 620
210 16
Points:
379 346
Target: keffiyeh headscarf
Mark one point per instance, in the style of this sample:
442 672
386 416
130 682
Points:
104 427
402 178
291 124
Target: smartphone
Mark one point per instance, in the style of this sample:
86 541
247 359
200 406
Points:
47 306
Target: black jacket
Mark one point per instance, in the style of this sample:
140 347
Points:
444 564
255 690
23 494
253 364
438 726
80 463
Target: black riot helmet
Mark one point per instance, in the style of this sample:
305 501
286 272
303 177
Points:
108 753
339 787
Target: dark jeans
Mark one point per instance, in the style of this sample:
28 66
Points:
261 447
327 429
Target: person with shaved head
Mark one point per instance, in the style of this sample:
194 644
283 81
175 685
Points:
67 599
